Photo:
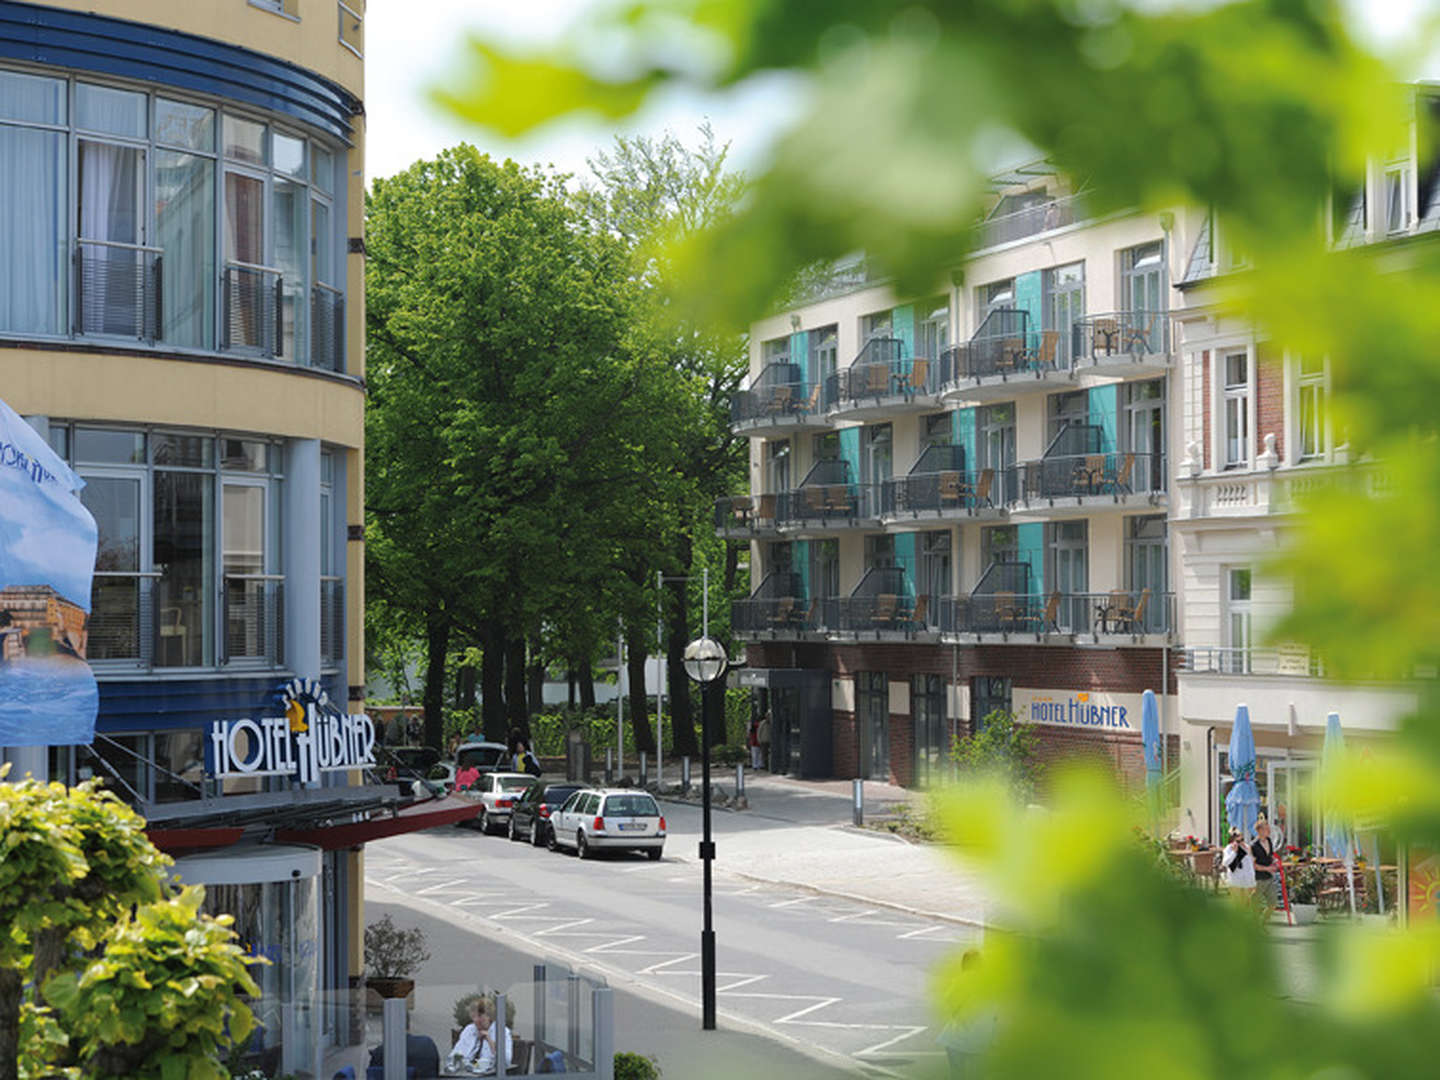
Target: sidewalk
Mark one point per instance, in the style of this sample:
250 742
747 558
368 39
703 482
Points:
800 834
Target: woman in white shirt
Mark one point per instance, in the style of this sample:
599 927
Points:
1238 863
476 1045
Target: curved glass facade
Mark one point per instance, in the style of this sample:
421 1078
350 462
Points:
143 218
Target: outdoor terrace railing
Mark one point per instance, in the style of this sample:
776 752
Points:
883 613
327 328
957 491
254 613
254 308
884 368
118 289
123 618
1281 660
830 504
1096 338
779 391
1120 612
747 513
1031 221
332 620
1108 473
1004 345
776 615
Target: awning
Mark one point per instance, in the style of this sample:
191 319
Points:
413 818
173 840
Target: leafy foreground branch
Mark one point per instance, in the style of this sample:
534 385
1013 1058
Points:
134 981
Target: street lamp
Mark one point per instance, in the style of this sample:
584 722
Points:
705 662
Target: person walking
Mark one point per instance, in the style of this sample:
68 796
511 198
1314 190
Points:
762 736
1262 851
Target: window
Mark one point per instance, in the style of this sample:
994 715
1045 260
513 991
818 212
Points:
779 557
775 351
995 431
1143 433
280 7
1144 295
875 325
999 543
934 577
879 551
1064 304
988 694
1236 414
1397 198
1313 391
932 742
1147 566
1237 617
936 429
826 446
34 175
824 351
350 29
1068 408
1067 572
879 454
932 332
998 294
824 568
872 706
332 585
777 466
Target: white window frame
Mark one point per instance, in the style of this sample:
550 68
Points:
1239 614
1397 200
1299 383
1243 394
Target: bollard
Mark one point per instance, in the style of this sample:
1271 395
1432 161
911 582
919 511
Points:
739 780
685 774
609 765
859 792
644 769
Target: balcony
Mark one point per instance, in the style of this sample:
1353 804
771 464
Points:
1077 476
332 621
1006 614
1005 353
778 401
746 517
327 328
883 607
117 290
123 619
939 488
777 609
1030 221
253 309
254 619
1122 343
1294 660
827 500
883 380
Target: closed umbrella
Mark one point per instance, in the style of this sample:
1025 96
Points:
1150 741
1242 802
1337 836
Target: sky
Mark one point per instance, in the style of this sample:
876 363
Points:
413 44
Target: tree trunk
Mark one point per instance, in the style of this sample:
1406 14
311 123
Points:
570 681
536 688
10 989
492 681
437 642
587 684
517 716
465 680
50 947
677 630
732 566
639 704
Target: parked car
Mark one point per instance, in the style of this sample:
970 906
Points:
590 821
477 753
406 766
497 792
530 817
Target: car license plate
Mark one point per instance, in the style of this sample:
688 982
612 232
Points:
631 826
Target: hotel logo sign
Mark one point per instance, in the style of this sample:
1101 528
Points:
312 737
1078 709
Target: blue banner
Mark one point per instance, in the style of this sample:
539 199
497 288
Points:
47 557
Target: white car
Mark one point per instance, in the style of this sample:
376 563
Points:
591 821
498 792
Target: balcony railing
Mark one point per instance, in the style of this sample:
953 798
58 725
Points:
332 621
1005 345
1120 334
254 302
957 491
327 328
1283 660
779 392
776 615
122 625
117 289
254 612
1099 475
827 504
883 369
745 513
1031 221
1121 612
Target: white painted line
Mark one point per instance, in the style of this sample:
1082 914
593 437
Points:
855 915
797 900
917 933
820 1003
654 969
430 890
889 1042
566 926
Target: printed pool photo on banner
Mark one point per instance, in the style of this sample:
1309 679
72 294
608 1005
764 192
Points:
47 559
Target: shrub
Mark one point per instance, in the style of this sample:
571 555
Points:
630 1066
392 953
728 754
1001 746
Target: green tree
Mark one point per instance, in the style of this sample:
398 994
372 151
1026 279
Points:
1264 111
1001 747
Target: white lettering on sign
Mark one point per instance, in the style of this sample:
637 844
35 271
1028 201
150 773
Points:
1078 709
330 742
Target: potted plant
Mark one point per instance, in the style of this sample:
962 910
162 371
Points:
392 956
1303 881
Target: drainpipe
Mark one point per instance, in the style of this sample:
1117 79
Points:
1209 787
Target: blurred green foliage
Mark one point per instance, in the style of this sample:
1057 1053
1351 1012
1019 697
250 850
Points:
1000 747
1266 112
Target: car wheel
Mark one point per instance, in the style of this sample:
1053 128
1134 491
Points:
484 822
537 834
550 841
582 847
654 853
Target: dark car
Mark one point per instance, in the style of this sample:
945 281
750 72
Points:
530 818
404 765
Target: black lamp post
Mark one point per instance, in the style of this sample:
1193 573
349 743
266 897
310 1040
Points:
705 662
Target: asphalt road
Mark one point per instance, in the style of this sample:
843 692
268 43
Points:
808 985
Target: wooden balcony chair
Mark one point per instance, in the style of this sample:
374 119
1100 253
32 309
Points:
981 494
877 380
1012 354
917 379
1106 333
813 500
919 612
1009 613
1043 357
784 610
950 488
809 619
781 398
1089 475
882 616
811 407
1139 333
1120 481
1049 621
742 509
1115 612
1137 618
765 508
838 499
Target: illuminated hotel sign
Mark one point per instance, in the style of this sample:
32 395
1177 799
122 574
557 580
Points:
312 737
1078 709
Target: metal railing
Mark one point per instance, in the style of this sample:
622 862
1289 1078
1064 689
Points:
1104 474
1281 660
254 614
956 491
883 369
122 624
788 399
118 289
1004 345
747 513
775 614
332 620
254 308
327 328
1031 221
1131 334
1120 612
830 504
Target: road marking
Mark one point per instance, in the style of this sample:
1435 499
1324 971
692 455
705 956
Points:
797 900
430 890
918 933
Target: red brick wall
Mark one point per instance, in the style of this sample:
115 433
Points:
845 746
1121 753
902 749
1270 409
1205 394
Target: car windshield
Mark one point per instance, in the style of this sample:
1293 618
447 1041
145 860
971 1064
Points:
418 758
555 796
479 757
631 806
515 783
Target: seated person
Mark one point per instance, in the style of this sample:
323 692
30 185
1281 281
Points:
476 1045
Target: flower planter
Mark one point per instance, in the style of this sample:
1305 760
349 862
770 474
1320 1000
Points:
1305 914
391 988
